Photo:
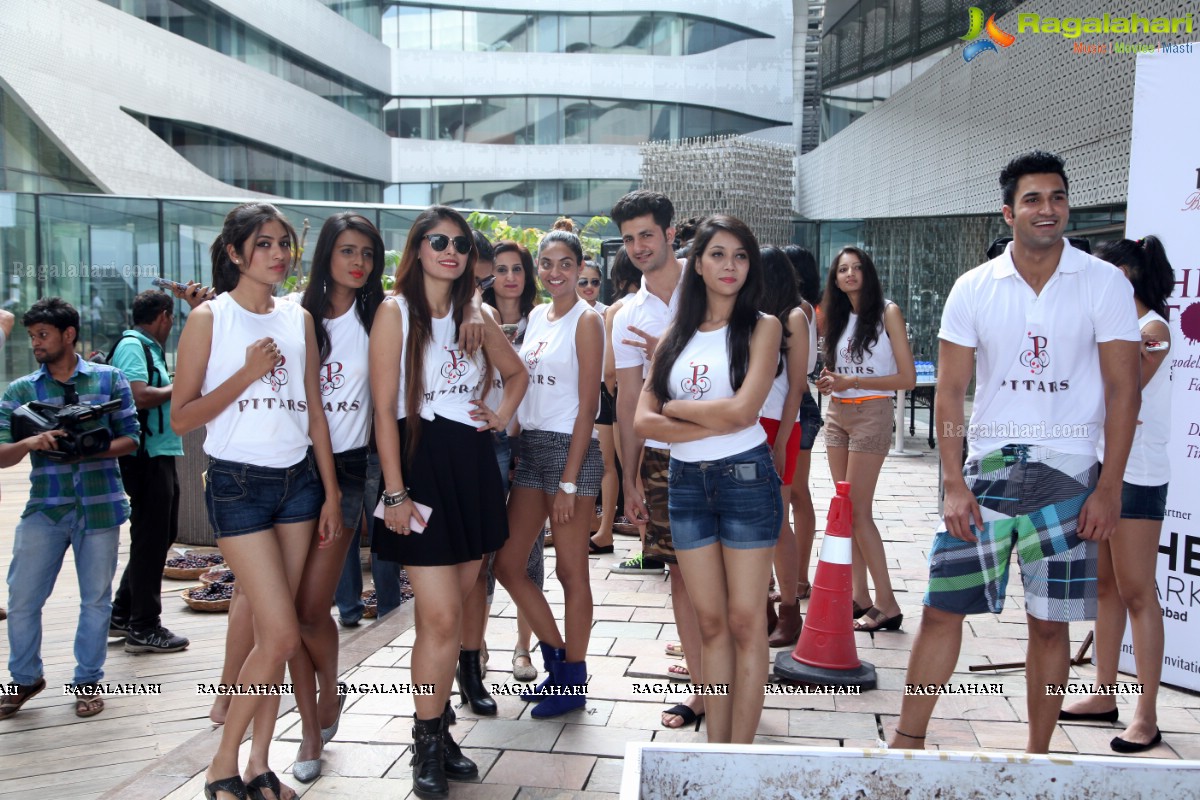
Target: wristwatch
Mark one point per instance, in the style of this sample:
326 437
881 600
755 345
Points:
568 488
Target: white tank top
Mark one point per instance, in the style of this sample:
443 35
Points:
702 373
552 401
812 342
773 408
1148 464
267 425
345 383
876 363
452 379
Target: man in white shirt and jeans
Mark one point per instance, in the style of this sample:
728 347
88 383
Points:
1051 335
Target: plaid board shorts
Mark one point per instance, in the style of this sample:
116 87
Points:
1030 498
544 457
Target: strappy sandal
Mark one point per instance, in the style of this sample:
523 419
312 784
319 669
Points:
20 695
876 621
233 785
88 702
268 780
803 590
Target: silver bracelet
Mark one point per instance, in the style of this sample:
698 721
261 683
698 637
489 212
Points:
391 499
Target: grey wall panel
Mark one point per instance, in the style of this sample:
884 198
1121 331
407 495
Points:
937 146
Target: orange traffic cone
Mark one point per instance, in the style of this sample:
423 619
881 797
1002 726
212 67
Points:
826 654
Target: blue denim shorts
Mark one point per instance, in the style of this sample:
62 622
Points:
734 501
243 498
352 481
1143 502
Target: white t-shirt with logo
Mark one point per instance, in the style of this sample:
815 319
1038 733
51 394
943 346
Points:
1037 370
451 378
267 425
345 383
552 401
702 373
645 311
877 362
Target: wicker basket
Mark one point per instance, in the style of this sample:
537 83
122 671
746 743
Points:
203 605
214 574
177 574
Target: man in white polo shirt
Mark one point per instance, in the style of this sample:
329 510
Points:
1051 335
644 219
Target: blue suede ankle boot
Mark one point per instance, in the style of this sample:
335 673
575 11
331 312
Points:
567 692
551 657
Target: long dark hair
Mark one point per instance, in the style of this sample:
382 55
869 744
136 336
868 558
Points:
693 305
807 273
836 309
410 282
528 297
366 299
782 294
241 224
623 274
1145 261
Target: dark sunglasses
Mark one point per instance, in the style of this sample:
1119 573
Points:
438 242
582 282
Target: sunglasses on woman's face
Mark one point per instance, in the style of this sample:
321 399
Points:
439 241
585 282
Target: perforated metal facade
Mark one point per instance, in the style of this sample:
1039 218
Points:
937 146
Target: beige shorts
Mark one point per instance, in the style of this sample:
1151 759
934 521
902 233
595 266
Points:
864 427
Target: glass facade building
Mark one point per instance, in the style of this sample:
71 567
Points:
412 26
576 197
29 160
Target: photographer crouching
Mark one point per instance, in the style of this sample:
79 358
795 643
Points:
76 499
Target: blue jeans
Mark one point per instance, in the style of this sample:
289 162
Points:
38 551
386 574
734 501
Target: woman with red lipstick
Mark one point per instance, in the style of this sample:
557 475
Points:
710 377
267 440
345 289
559 472
867 358
443 502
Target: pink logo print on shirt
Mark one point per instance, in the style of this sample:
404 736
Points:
1037 358
454 369
697 385
331 378
278 376
531 358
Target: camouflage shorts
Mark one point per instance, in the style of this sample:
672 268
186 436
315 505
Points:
656 464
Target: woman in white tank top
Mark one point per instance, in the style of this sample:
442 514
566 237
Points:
710 376
867 359
1128 560
558 475
443 502
263 413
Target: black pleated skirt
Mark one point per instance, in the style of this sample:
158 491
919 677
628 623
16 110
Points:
454 472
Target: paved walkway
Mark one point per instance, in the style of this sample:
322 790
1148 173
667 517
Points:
155 747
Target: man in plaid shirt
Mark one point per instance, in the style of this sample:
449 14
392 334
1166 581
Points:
78 503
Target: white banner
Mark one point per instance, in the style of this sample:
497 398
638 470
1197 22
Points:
1164 200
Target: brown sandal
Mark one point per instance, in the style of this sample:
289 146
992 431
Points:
22 693
803 590
88 702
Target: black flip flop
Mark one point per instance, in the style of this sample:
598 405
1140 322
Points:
598 549
689 717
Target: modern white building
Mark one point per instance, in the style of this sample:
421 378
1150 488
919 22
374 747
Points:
523 105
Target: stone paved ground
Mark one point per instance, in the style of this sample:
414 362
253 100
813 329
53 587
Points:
157 747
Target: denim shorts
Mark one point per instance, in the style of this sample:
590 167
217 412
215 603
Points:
351 468
734 501
244 498
1143 502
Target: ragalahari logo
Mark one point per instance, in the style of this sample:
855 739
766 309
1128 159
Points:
995 34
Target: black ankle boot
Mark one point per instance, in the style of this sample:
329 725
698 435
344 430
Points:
470 684
429 774
457 766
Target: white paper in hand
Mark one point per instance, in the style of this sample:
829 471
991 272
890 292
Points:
424 510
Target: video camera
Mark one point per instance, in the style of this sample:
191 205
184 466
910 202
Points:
81 439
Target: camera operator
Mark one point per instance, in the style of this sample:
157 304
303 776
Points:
75 502
149 477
